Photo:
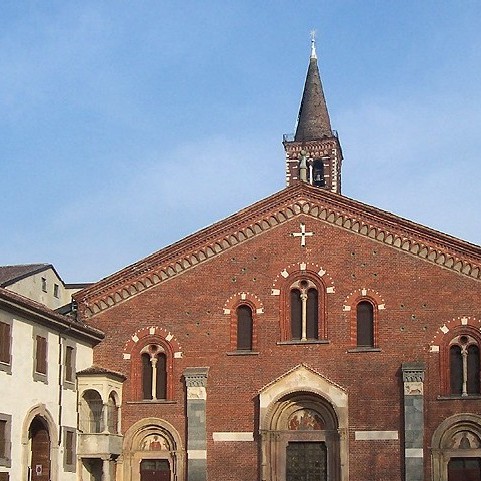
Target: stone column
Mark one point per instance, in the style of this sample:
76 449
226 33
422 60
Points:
106 469
196 382
413 378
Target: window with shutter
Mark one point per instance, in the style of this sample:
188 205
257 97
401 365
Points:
41 355
5 342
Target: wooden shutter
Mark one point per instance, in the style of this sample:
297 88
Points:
69 364
41 355
3 438
69 447
4 342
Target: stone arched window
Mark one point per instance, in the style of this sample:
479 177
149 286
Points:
113 413
456 448
91 412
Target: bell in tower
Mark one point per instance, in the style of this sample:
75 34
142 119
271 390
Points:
314 140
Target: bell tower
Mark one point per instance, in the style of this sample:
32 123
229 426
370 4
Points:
313 153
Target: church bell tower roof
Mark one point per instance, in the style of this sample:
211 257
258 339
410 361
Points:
313 121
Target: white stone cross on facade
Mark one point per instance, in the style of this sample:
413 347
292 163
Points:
303 234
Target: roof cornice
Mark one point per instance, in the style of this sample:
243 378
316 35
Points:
413 239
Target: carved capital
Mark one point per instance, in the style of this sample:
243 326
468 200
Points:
196 376
413 371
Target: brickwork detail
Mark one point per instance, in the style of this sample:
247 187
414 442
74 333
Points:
446 327
330 208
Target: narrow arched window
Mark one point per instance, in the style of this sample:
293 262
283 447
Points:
318 173
244 328
456 369
464 365
112 415
296 314
365 324
161 376
146 376
304 300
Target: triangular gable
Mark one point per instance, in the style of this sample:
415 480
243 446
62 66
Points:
344 213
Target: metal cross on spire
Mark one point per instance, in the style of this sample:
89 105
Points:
313 44
303 234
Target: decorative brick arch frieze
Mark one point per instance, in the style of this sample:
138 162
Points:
299 268
138 342
458 324
346 214
350 307
243 298
281 287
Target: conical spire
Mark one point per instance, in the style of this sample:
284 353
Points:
313 121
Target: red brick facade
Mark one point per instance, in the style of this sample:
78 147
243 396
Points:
425 287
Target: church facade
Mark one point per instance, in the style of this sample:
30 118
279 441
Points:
307 337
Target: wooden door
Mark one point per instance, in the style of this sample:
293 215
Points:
40 455
154 470
464 469
306 461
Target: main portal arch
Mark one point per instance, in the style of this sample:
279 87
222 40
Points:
303 427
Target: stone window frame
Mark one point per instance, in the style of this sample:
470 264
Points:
69 467
39 376
445 361
136 368
66 344
6 460
7 366
285 307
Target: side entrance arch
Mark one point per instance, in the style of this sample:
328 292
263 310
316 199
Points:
40 445
456 449
303 420
153 452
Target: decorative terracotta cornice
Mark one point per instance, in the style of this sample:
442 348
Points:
364 220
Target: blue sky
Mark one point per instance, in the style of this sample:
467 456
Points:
125 126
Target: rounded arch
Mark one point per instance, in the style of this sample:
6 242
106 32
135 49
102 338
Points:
303 306
300 407
458 436
153 438
41 413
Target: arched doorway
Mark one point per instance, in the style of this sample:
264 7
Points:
153 452
304 438
456 449
39 437
303 421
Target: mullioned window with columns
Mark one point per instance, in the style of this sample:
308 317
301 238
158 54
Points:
460 362
152 352
303 308
151 369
